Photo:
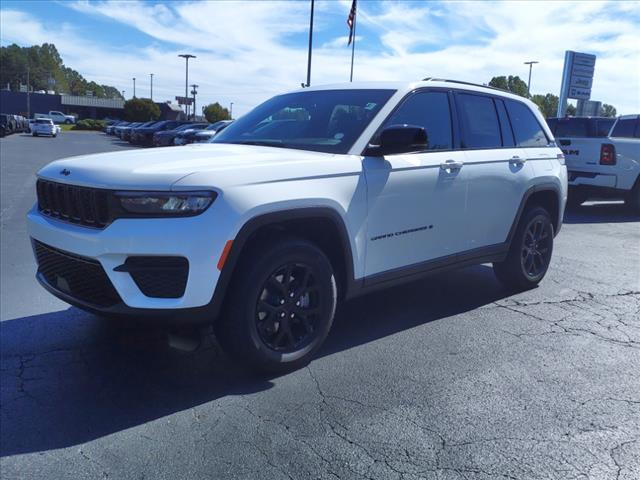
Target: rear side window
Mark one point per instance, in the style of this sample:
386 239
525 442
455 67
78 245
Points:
480 127
603 127
505 126
526 128
625 128
572 127
431 111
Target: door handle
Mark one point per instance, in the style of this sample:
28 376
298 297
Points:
451 165
517 160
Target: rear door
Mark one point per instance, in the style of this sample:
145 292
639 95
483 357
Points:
496 169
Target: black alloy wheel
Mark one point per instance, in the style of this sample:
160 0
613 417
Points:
536 247
287 309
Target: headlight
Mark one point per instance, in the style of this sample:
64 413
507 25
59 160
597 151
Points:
161 204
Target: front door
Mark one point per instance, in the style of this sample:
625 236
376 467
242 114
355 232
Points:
416 200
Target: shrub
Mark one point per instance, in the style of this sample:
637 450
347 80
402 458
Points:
141 110
90 124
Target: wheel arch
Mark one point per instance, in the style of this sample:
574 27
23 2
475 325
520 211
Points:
546 195
322 225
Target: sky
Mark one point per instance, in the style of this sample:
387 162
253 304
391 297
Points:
249 51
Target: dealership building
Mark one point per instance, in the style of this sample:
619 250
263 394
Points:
26 104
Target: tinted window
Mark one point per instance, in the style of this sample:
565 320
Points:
624 128
526 128
320 120
603 127
429 110
505 126
480 127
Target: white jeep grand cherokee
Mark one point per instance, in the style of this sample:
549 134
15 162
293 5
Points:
314 196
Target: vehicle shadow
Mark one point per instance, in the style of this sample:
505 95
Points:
600 212
68 377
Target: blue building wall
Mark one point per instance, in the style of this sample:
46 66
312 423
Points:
16 103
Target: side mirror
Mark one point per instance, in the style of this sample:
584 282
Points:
400 139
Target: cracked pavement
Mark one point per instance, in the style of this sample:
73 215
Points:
448 378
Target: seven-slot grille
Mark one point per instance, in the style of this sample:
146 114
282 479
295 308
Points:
80 277
81 205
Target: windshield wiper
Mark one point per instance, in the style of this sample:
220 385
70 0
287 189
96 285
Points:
264 143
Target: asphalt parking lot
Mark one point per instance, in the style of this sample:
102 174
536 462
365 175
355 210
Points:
448 378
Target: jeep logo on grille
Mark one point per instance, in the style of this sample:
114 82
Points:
65 172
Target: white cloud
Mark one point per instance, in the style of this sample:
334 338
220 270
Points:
246 50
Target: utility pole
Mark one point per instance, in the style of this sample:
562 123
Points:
134 87
186 56
123 95
231 110
151 75
194 93
531 63
28 95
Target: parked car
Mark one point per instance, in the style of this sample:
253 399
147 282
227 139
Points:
314 196
5 127
144 136
603 166
57 117
186 136
165 138
208 134
580 127
111 130
129 133
125 132
43 126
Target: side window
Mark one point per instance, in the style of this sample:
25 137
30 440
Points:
505 125
624 128
480 126
431 111
526 128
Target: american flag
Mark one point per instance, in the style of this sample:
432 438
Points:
351 20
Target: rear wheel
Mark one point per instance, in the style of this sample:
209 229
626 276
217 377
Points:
530 252
280 307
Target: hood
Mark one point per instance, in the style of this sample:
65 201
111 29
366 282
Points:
159 169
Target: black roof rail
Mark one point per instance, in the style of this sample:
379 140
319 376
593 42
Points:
432 79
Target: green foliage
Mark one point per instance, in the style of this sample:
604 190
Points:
141 110
608 110
215 112
571 110
46 72
90 124
513 84
548 104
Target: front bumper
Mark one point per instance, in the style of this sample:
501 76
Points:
193 238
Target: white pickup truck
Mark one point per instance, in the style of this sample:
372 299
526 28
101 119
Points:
57 117
601 166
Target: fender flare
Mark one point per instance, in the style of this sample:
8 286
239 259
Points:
254 224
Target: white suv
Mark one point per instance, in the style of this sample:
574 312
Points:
43 126
314 196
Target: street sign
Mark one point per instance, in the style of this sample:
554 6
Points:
184 100
577 78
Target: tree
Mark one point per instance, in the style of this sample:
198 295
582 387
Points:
548 104
570 111
608 110
215 112
141 110
513 84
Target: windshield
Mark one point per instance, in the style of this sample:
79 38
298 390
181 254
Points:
322 121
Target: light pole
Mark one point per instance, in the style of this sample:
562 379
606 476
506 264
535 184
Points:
151 75
186 56
194 92
123 95
529 83
134 87
231 110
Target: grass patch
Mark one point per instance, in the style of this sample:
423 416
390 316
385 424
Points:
66 127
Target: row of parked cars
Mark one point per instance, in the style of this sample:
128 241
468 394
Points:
13 124
165 133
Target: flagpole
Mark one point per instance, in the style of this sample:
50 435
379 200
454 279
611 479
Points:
353 45
310 42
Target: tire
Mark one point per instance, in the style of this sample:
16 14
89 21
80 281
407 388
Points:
35 134
280 308
67 122
633 199
576 198
529 253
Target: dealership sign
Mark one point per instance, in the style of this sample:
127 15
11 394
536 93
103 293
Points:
577 78
184 100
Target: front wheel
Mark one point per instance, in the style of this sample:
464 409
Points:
281 306
530 251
